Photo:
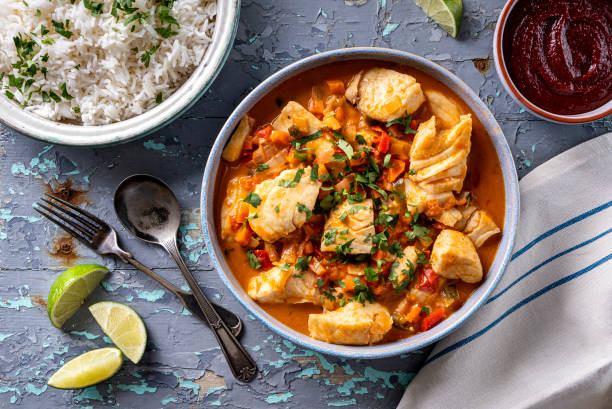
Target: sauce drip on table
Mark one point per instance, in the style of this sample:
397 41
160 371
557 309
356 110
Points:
559 53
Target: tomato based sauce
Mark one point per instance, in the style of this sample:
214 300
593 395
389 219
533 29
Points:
559 53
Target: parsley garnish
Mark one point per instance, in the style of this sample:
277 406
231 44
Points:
302 263
418 232
314 173
159 98
95 7
65 93
297 143
253 199
360 139
302 208
262 166
346 148
422 258
292 183
62 29
362 292
329 237
344 249
145 57
403 121
370 274
253 260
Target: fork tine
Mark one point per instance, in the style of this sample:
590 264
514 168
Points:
73 214
71 223
71 231
78 209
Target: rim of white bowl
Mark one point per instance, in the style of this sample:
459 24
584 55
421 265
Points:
508 84
511 192
36 127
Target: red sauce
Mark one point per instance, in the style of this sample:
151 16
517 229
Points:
559 53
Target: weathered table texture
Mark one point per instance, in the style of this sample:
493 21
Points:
183 367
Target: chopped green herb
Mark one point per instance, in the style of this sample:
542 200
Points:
159 98
65 93
297 143
62 28
346 148
253 199
422 258
302 263
403 121
302 208
314 173
262 166
253 260
329 237
95 7
370 274
418 232
145 57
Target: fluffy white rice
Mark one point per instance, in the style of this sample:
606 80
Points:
112 84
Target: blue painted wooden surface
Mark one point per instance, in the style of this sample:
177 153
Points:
183 367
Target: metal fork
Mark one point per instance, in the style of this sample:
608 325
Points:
101 238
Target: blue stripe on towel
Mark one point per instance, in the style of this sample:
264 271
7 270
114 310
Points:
548 260
561 227
518 305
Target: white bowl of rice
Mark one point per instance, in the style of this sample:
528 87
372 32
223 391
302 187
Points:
103 72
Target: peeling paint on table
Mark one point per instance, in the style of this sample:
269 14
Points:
183 366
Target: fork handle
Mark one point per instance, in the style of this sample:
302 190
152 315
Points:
242 365
187 299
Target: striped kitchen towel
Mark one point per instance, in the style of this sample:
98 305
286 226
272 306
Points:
544 337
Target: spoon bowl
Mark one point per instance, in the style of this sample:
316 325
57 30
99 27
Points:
148 208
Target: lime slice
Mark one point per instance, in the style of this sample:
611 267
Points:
70 289
447 13
87 369
123 326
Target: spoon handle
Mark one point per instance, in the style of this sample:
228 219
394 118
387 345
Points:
187 299
242 365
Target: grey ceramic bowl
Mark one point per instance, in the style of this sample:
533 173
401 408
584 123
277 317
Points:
228 12
511 196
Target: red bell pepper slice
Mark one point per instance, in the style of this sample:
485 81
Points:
264 259
428 280
383 141
433 319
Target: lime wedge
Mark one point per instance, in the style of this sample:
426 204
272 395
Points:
70 289
123 326
447 13
87 369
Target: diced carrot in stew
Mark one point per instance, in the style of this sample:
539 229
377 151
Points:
263 258
280 137
336 86
433 319
349 284
428 280
243 235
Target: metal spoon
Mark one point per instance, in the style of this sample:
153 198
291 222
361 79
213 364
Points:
149 209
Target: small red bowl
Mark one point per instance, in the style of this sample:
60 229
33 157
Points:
506 80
